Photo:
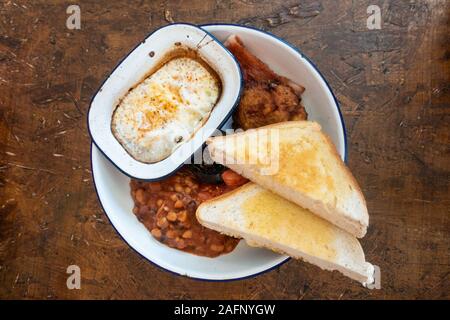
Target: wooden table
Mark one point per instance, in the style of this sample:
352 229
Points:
393 87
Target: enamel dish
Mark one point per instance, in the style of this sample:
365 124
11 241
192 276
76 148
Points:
133 70
113 186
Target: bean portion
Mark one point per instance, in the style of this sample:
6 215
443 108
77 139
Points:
167 209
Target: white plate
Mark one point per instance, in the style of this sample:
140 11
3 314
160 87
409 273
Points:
134 68
114 192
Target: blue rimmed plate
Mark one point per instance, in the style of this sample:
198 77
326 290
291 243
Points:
245 261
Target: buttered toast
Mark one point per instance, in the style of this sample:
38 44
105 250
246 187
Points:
265 219
297 161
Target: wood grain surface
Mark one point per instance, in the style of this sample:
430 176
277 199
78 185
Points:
393 87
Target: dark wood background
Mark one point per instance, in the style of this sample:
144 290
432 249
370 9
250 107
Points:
393 86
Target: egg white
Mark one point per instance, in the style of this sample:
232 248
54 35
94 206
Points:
164 110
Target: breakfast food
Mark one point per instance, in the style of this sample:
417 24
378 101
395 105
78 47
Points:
167 108
167 209
265 219
309 171
307 205
267 98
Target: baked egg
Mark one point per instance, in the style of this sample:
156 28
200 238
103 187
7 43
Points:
164 110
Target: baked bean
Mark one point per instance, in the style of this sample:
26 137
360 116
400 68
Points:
216 247
191 184
135 210
159 202
187 234
178 187
156 233
174 197
178 204
180 243
187 190
171 234
182 216
140 196
188 181
172 216
162 223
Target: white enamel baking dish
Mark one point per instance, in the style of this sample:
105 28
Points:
134 68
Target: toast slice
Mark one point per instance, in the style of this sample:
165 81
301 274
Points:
265 219
299 162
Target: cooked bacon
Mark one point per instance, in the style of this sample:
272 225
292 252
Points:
253 68
268 98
